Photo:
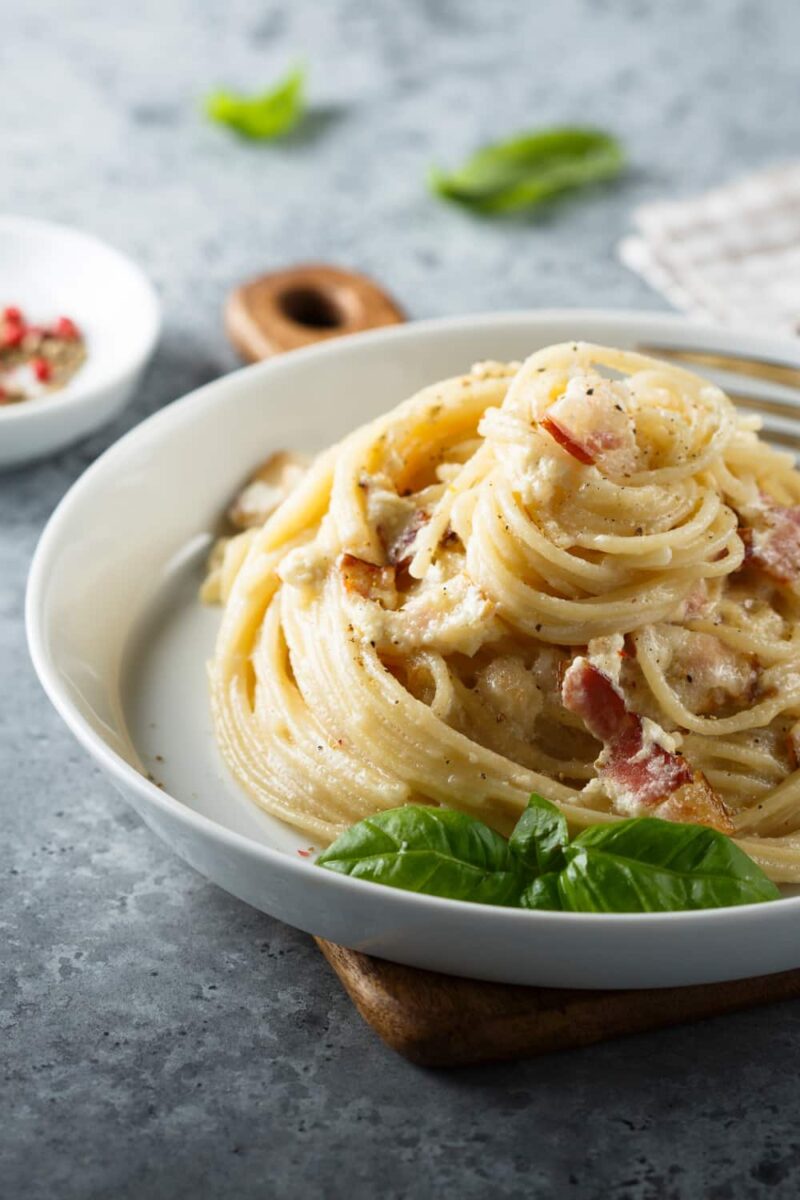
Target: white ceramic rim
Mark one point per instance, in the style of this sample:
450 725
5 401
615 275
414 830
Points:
127 778
77 392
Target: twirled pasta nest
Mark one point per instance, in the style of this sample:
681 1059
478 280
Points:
402 625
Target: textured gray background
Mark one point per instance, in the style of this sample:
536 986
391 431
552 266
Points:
159 1038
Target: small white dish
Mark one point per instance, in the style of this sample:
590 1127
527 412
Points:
50 270
119 640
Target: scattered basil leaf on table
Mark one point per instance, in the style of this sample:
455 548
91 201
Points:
434 850
530 168
265 116
641 865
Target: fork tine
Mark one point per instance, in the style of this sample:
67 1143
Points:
791 441
739 364
776 408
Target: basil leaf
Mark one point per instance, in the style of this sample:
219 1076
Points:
263 117
528 169
543 893
539 836
434 850
650 865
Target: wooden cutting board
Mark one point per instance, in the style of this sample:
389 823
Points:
438 1020
441 1021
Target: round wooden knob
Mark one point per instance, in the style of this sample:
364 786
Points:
302 305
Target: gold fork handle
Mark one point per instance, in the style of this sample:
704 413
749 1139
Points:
739 364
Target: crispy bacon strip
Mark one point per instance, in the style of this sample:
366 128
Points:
551 426
637 770
696 803
367 580
591 424
591 695
771 538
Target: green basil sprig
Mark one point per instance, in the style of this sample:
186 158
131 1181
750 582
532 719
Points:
640 865
265 116
530 168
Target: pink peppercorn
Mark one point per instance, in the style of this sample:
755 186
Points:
41 369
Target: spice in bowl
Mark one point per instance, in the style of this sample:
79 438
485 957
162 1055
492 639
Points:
37 359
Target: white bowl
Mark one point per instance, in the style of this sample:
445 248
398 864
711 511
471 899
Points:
119 641
48 270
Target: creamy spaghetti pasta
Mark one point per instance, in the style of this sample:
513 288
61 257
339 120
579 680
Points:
577 576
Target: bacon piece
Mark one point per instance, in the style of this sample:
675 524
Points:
398 552
639 772
697 804
591 424
367 580
560 435
771 539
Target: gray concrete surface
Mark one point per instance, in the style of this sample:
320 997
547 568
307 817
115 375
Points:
159 1039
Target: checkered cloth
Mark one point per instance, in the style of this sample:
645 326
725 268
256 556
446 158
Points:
731 256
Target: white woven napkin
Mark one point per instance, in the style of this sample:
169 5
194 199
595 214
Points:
731 256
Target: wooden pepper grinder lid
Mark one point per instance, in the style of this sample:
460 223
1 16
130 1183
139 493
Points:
303 305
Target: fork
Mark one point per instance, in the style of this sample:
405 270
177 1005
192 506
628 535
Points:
752 368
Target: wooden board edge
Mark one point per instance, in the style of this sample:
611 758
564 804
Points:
437 1020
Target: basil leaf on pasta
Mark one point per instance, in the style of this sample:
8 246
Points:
543 893
649 865
641 865
434 850
539 836
265 116
530 168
